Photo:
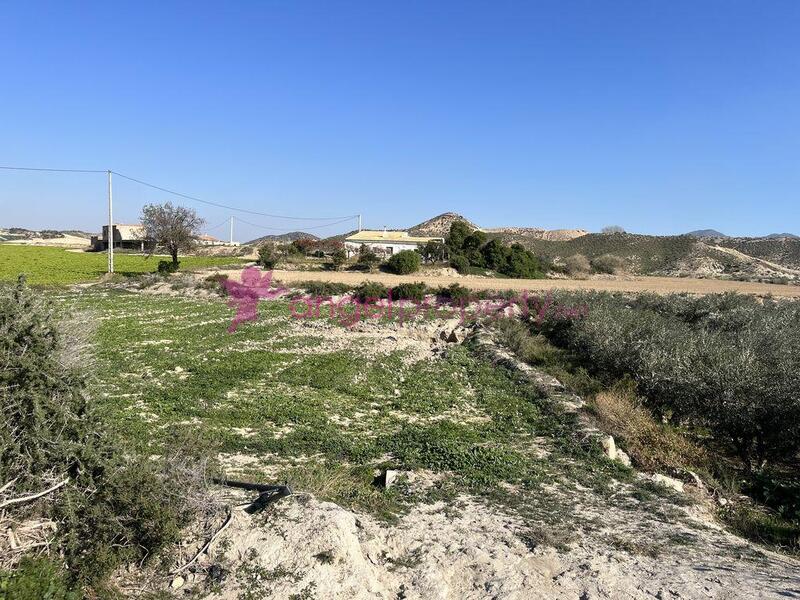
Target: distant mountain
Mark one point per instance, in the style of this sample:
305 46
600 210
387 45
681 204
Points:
282 238
707 233
778 236
553 235
20 234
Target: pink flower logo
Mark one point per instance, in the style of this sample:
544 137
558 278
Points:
244 296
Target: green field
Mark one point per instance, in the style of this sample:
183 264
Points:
316 405
54 266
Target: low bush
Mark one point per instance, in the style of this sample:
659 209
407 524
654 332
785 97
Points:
370 291
460 263
729 363
455 293
577 265
165 267
116 507
338 258
37 579
267 256
410 291
367 259
404 262
324 288
214 283
608 263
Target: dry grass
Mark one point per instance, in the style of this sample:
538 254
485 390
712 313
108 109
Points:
652 445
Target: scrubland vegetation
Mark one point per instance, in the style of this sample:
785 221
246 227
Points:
710 384
111 506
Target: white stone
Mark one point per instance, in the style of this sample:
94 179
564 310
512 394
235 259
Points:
623 457
609 447
669 482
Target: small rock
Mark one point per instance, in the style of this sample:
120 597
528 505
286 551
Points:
177 582
697 481
389 478
455 337
623 457
609 447
668 482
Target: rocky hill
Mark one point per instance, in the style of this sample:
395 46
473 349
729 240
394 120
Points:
282 238
707 233
439 226
553 235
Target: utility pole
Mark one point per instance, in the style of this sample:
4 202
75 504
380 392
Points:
359 222
110 228
231 230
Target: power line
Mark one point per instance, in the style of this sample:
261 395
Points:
52 170
337 220
304 228
225 222
219 205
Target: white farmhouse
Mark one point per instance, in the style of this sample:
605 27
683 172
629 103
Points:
385 242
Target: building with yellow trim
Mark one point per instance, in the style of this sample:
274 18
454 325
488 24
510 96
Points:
385 242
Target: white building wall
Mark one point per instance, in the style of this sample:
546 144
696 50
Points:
388 247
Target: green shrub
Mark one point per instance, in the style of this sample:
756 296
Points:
459 231
165 267
404 262
267 256
522 264
608 263
460 263
215 283
36 579
455 293
324 288
338 258
116 507
367 259
728 363
410 291
370 291
433 251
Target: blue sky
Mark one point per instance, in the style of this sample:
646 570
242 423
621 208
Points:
659 116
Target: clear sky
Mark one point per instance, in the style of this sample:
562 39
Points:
660 116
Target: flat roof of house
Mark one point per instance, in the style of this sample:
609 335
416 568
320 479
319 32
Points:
397 237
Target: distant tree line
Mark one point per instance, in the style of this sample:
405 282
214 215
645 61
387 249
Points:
471 249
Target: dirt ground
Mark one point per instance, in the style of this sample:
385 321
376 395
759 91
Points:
660 285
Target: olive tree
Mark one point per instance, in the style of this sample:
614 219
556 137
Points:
173 227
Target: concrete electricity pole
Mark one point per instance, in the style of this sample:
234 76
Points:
231 230
110 228
359 222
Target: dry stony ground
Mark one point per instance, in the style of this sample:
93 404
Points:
497 496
